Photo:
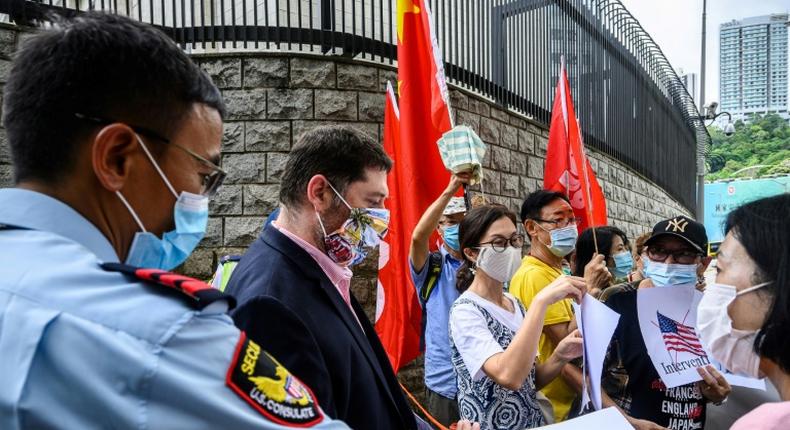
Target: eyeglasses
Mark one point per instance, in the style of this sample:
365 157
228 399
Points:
559 223
682 256
211 181
500 244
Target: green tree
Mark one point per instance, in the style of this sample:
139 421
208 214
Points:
763 141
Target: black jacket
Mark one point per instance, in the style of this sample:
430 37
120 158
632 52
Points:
314 334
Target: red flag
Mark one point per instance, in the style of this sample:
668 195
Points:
567 168
398 313
418 176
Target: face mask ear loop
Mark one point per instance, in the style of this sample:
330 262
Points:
339 196
321 223
753 288
156 166
547 231
131 211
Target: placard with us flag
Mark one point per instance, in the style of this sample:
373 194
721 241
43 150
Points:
679 337
667 317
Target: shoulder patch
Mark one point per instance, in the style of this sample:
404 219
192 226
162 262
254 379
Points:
201 293
270 388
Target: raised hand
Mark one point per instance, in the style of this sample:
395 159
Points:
596 273
564 287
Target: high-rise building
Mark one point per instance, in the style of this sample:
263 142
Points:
690 80
753 66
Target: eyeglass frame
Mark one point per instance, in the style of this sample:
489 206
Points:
696 254
508 240
573 221
216 170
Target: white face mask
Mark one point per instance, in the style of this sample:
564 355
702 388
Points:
733 348
499 265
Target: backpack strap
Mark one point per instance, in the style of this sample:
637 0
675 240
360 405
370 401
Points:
200 293
434 272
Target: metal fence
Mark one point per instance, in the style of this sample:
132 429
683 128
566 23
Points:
630 102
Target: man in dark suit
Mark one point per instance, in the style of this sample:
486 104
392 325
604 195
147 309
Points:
334 184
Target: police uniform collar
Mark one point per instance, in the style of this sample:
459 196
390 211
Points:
36 211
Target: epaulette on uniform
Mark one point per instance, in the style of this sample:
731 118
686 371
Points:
200 293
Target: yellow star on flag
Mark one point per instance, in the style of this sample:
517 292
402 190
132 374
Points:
404 7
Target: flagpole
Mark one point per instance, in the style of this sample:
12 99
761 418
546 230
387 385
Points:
440 65
589 204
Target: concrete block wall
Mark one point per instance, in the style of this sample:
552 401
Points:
272 98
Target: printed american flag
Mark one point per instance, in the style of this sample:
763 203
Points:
679 337
293 387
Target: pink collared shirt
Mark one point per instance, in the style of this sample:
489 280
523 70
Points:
339 276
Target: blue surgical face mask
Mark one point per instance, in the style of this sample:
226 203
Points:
623 264
563 240
450 237
190 214
665 275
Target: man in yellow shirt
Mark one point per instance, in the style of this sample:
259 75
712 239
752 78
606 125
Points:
549 221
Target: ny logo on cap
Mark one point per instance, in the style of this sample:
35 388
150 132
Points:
677 224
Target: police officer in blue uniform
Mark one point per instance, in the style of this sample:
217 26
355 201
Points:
115 140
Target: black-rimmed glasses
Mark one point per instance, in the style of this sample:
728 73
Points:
682 256
500 244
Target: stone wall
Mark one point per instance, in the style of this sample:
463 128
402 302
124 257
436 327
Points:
273 98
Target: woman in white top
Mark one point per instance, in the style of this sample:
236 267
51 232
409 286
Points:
494 340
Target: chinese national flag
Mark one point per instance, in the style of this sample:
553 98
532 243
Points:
567 168
417 178
398 313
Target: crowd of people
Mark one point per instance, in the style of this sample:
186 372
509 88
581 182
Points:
115 139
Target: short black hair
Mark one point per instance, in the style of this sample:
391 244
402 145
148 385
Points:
340 153
537 200
762 228
97 65
585 246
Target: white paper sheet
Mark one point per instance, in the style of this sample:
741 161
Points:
609 419
667 317
577 312
597 325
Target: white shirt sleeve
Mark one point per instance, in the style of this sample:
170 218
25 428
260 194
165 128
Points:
473 339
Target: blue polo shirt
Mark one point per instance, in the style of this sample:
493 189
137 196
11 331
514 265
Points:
439 374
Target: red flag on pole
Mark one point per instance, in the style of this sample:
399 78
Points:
398 313
567 168
417 177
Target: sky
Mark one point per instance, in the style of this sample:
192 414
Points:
676 26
